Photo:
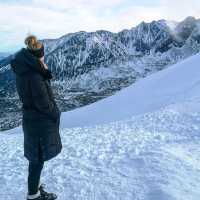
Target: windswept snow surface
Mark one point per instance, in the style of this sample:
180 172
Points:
154 155
174 84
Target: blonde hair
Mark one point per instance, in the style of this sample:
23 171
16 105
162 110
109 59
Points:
32 43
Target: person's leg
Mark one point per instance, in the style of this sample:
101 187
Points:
34 172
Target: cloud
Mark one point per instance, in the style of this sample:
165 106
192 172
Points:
179 9
72 4
51 19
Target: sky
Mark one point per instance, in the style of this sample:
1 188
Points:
54 18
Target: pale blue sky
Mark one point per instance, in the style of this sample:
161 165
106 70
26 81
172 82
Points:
54 18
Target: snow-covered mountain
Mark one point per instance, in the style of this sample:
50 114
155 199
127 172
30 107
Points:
152 153
130 54
90 66
178 83
3 55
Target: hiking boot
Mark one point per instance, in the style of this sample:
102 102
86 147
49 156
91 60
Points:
45 195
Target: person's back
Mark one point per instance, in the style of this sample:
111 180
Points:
30 80
41 116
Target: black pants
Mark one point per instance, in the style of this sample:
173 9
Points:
34 172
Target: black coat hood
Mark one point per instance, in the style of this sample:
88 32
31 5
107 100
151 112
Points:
24 61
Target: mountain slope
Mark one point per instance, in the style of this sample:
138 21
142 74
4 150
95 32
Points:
89 66
177 83
3 55
151 156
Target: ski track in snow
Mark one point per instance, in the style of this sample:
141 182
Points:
155 156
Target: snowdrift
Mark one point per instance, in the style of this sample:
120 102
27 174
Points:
174 84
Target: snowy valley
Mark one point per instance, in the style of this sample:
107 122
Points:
140 144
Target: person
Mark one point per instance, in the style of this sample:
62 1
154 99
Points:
40 113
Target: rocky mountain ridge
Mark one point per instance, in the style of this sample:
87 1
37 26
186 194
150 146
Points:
88 66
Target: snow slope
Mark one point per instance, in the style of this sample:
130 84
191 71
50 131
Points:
176 83
149 156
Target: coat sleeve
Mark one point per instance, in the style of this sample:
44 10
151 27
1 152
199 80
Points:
41 99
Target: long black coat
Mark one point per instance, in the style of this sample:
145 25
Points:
41 116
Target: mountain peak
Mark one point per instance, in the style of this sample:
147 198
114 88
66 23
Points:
189 19
185 28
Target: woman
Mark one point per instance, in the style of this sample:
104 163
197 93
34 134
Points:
41 116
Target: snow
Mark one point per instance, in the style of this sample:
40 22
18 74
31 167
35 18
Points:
149 157
176 83
4 68
4 55
153 155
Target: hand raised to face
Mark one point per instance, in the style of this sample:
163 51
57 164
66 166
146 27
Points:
43 63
